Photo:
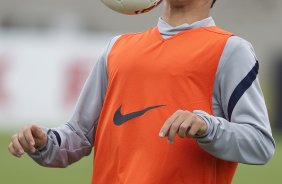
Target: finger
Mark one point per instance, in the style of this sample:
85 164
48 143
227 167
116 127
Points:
165 128
197 126
37 132
40 137
194 129
25 145
28 136
16 145
174 128
29 139
11 150
184 127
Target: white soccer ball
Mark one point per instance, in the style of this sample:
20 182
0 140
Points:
131 7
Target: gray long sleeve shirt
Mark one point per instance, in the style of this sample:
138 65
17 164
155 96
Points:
238 131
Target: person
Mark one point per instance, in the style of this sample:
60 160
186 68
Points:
185 81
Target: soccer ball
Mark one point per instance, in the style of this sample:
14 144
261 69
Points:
131 7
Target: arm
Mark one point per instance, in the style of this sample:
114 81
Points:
240 130
73 140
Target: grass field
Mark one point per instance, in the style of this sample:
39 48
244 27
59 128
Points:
25 171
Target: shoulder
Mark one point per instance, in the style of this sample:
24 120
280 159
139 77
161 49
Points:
113 41
110 44
238 54
236 43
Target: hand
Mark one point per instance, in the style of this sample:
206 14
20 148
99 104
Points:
28 139
183 123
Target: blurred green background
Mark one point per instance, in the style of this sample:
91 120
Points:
25 171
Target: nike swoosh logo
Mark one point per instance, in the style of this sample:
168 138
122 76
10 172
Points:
119 118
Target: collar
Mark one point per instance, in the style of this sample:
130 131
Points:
167 30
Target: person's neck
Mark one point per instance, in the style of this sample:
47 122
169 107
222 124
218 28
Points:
176 15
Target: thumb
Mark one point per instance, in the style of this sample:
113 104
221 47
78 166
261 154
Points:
39 136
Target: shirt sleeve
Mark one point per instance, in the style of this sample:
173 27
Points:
72 141
239 130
